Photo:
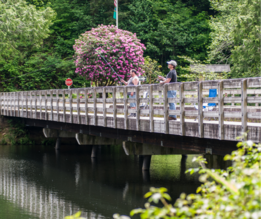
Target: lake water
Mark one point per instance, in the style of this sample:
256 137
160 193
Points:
36 182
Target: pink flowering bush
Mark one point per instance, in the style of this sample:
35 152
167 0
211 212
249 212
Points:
122 49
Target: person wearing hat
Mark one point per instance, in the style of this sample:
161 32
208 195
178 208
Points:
170 78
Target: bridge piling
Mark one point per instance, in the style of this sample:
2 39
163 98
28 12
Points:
146 162
58 143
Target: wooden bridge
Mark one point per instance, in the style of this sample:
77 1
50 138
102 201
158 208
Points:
103 112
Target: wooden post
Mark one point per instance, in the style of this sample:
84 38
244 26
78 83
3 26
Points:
256 97
26 104
57 105
182 111
71 109
151 109
104 106
86 107
1 99
114 107
125 99
22 104
64 107
31 104
244 105
166 113
51 103
18 106
45 105
94 106
200 111
78 107
137 88
221 110
35 104
41 98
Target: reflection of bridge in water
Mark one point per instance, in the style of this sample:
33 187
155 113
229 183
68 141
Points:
50 185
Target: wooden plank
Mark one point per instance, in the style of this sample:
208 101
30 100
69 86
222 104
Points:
182 109
71 110
57 105
35 104
64 108
165 105
26 104
114 107
137 91
151 109
104 106
221 111
31 104
45 105
51 104
94 94
41 98
125 98
244 104
18 106
86 107
200 111
78 107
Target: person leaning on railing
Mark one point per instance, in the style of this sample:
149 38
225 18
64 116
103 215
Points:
133 81
170 78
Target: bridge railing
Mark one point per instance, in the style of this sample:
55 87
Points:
109 106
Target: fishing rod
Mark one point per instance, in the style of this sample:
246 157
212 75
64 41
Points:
110 66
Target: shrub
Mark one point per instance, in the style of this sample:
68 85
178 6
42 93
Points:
122 49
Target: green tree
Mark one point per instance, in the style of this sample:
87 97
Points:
22 23
236 36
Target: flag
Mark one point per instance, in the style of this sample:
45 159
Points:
114 14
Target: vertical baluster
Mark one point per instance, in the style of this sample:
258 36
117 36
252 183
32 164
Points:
166 111
257 98
51 104
94 107
8 104
86 106
26 104
78 107
137 91
31 104
22 103
104 106
114 107
1 99
244 105
3 104
125 100
232 104
200 111
40 93
11 104
221 110
35 104
151 109
18 104
182 109
45 105
57 105
71 106
64 107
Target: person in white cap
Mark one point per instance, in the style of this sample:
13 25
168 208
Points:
170 78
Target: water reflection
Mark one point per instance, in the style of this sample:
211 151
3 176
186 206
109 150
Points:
52 184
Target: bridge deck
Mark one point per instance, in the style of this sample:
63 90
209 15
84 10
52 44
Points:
108 107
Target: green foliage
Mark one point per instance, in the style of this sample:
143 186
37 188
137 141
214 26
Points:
198 71
152 70
231 193
236 36
22 23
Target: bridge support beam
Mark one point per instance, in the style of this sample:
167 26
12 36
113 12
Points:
134 148
84 139
54 133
